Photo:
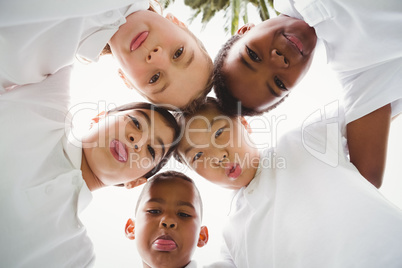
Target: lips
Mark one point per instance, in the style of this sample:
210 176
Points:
295 42
164 243
118 150
233 170
138 40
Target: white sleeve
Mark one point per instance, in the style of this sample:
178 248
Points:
226 262
24 12
38 38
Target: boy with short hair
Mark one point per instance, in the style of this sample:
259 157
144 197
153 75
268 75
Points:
261 64
291 208
167 225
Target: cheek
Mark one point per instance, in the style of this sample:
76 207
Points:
138 76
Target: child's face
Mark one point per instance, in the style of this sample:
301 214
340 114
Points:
126 145
265 64
219 149
160 59
168 224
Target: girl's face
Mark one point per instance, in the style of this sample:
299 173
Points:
124 146
218 148
269 60
160 59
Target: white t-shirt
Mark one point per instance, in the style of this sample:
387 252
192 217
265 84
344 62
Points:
42 189
308 206
363 45
41 37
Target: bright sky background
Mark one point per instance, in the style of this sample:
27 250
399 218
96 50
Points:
98 84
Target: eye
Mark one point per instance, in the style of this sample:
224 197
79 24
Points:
279 83
197 156
154 78
178 53
184 215
151 151
135 121
153 211
252 55
218 132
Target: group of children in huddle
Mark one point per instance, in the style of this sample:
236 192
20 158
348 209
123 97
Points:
309 214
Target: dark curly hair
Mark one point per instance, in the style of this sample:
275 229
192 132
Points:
227 102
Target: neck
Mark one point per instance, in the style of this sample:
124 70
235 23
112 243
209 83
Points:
89 176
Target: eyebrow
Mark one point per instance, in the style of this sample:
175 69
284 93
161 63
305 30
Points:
159 139
163 88
190 60
245 63
272 91
185 203
179 203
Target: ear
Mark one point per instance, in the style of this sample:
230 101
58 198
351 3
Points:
96 119
175 20
203 239
135 183
245 124
245 28
125 79
129 230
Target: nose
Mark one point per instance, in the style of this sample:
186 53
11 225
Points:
156 56
221 157
168 223
136 141
278 59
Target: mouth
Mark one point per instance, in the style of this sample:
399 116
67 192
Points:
233 171
118 150
295 42
164 243
138 40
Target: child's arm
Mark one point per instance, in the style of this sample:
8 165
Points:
368 141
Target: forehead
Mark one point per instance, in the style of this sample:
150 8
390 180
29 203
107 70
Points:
203 120
172 192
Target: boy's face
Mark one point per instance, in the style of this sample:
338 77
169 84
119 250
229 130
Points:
219 149
168 224
265 64
160 59
126 145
